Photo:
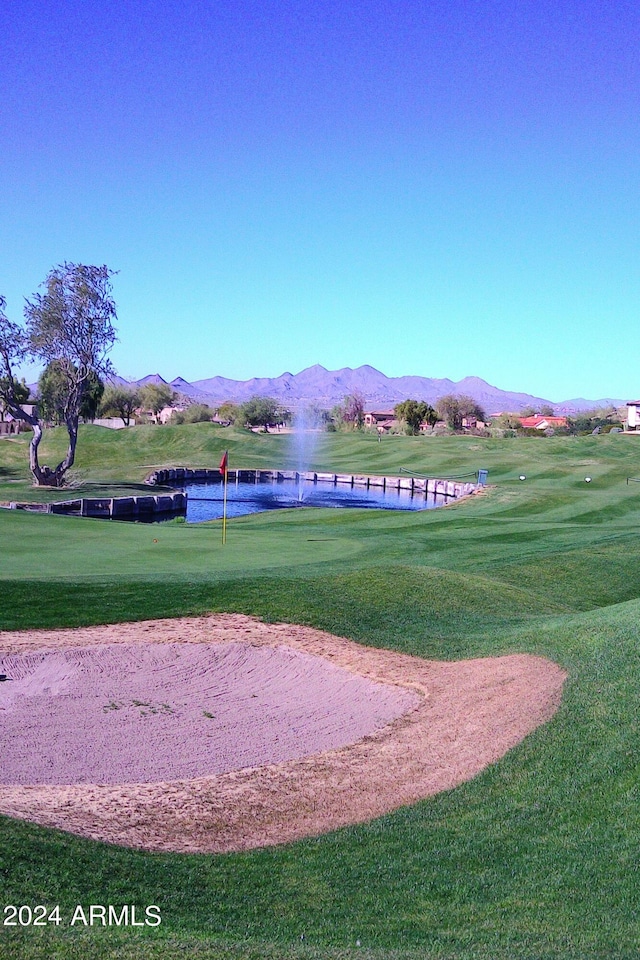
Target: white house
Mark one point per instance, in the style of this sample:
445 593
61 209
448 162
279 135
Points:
633 416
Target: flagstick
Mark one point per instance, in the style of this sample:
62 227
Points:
224 508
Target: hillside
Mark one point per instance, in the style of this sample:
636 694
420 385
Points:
325 387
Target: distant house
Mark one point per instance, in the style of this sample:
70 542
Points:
113 423
382 420
539 422
633 416
10 425
166 414
163 417
472 423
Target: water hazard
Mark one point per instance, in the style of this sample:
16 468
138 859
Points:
205 500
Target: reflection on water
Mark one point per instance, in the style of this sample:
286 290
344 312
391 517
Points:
204 501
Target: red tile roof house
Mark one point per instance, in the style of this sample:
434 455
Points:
542 423
383 420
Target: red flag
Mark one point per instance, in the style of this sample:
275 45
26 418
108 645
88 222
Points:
223 463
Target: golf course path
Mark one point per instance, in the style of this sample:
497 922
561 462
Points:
224 733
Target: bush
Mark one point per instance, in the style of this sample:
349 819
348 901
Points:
196 413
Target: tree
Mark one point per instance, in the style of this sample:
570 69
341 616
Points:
52 394
120 402
262 412
507 421
454 408
413 413
353 410
350 413
196 413
156 396
13 349
17 388
71 325
229 411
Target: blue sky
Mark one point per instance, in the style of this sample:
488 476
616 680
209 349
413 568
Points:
441 188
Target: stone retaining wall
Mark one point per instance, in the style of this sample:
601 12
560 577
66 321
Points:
108 508
432 485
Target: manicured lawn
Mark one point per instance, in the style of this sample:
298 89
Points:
535 858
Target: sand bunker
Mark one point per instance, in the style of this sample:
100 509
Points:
139 713
224 733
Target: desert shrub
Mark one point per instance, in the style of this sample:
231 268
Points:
196 413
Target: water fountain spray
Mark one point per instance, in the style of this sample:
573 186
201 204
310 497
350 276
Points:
307 424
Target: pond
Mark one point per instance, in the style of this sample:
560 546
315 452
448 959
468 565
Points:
205 500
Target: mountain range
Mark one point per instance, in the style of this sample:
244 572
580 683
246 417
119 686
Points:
324 387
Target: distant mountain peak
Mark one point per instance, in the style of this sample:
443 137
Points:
366 368
316 368
152 378
473 381
316 384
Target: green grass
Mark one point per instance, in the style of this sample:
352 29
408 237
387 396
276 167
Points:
535 858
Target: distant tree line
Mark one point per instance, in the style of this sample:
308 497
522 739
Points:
452 409
257 411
